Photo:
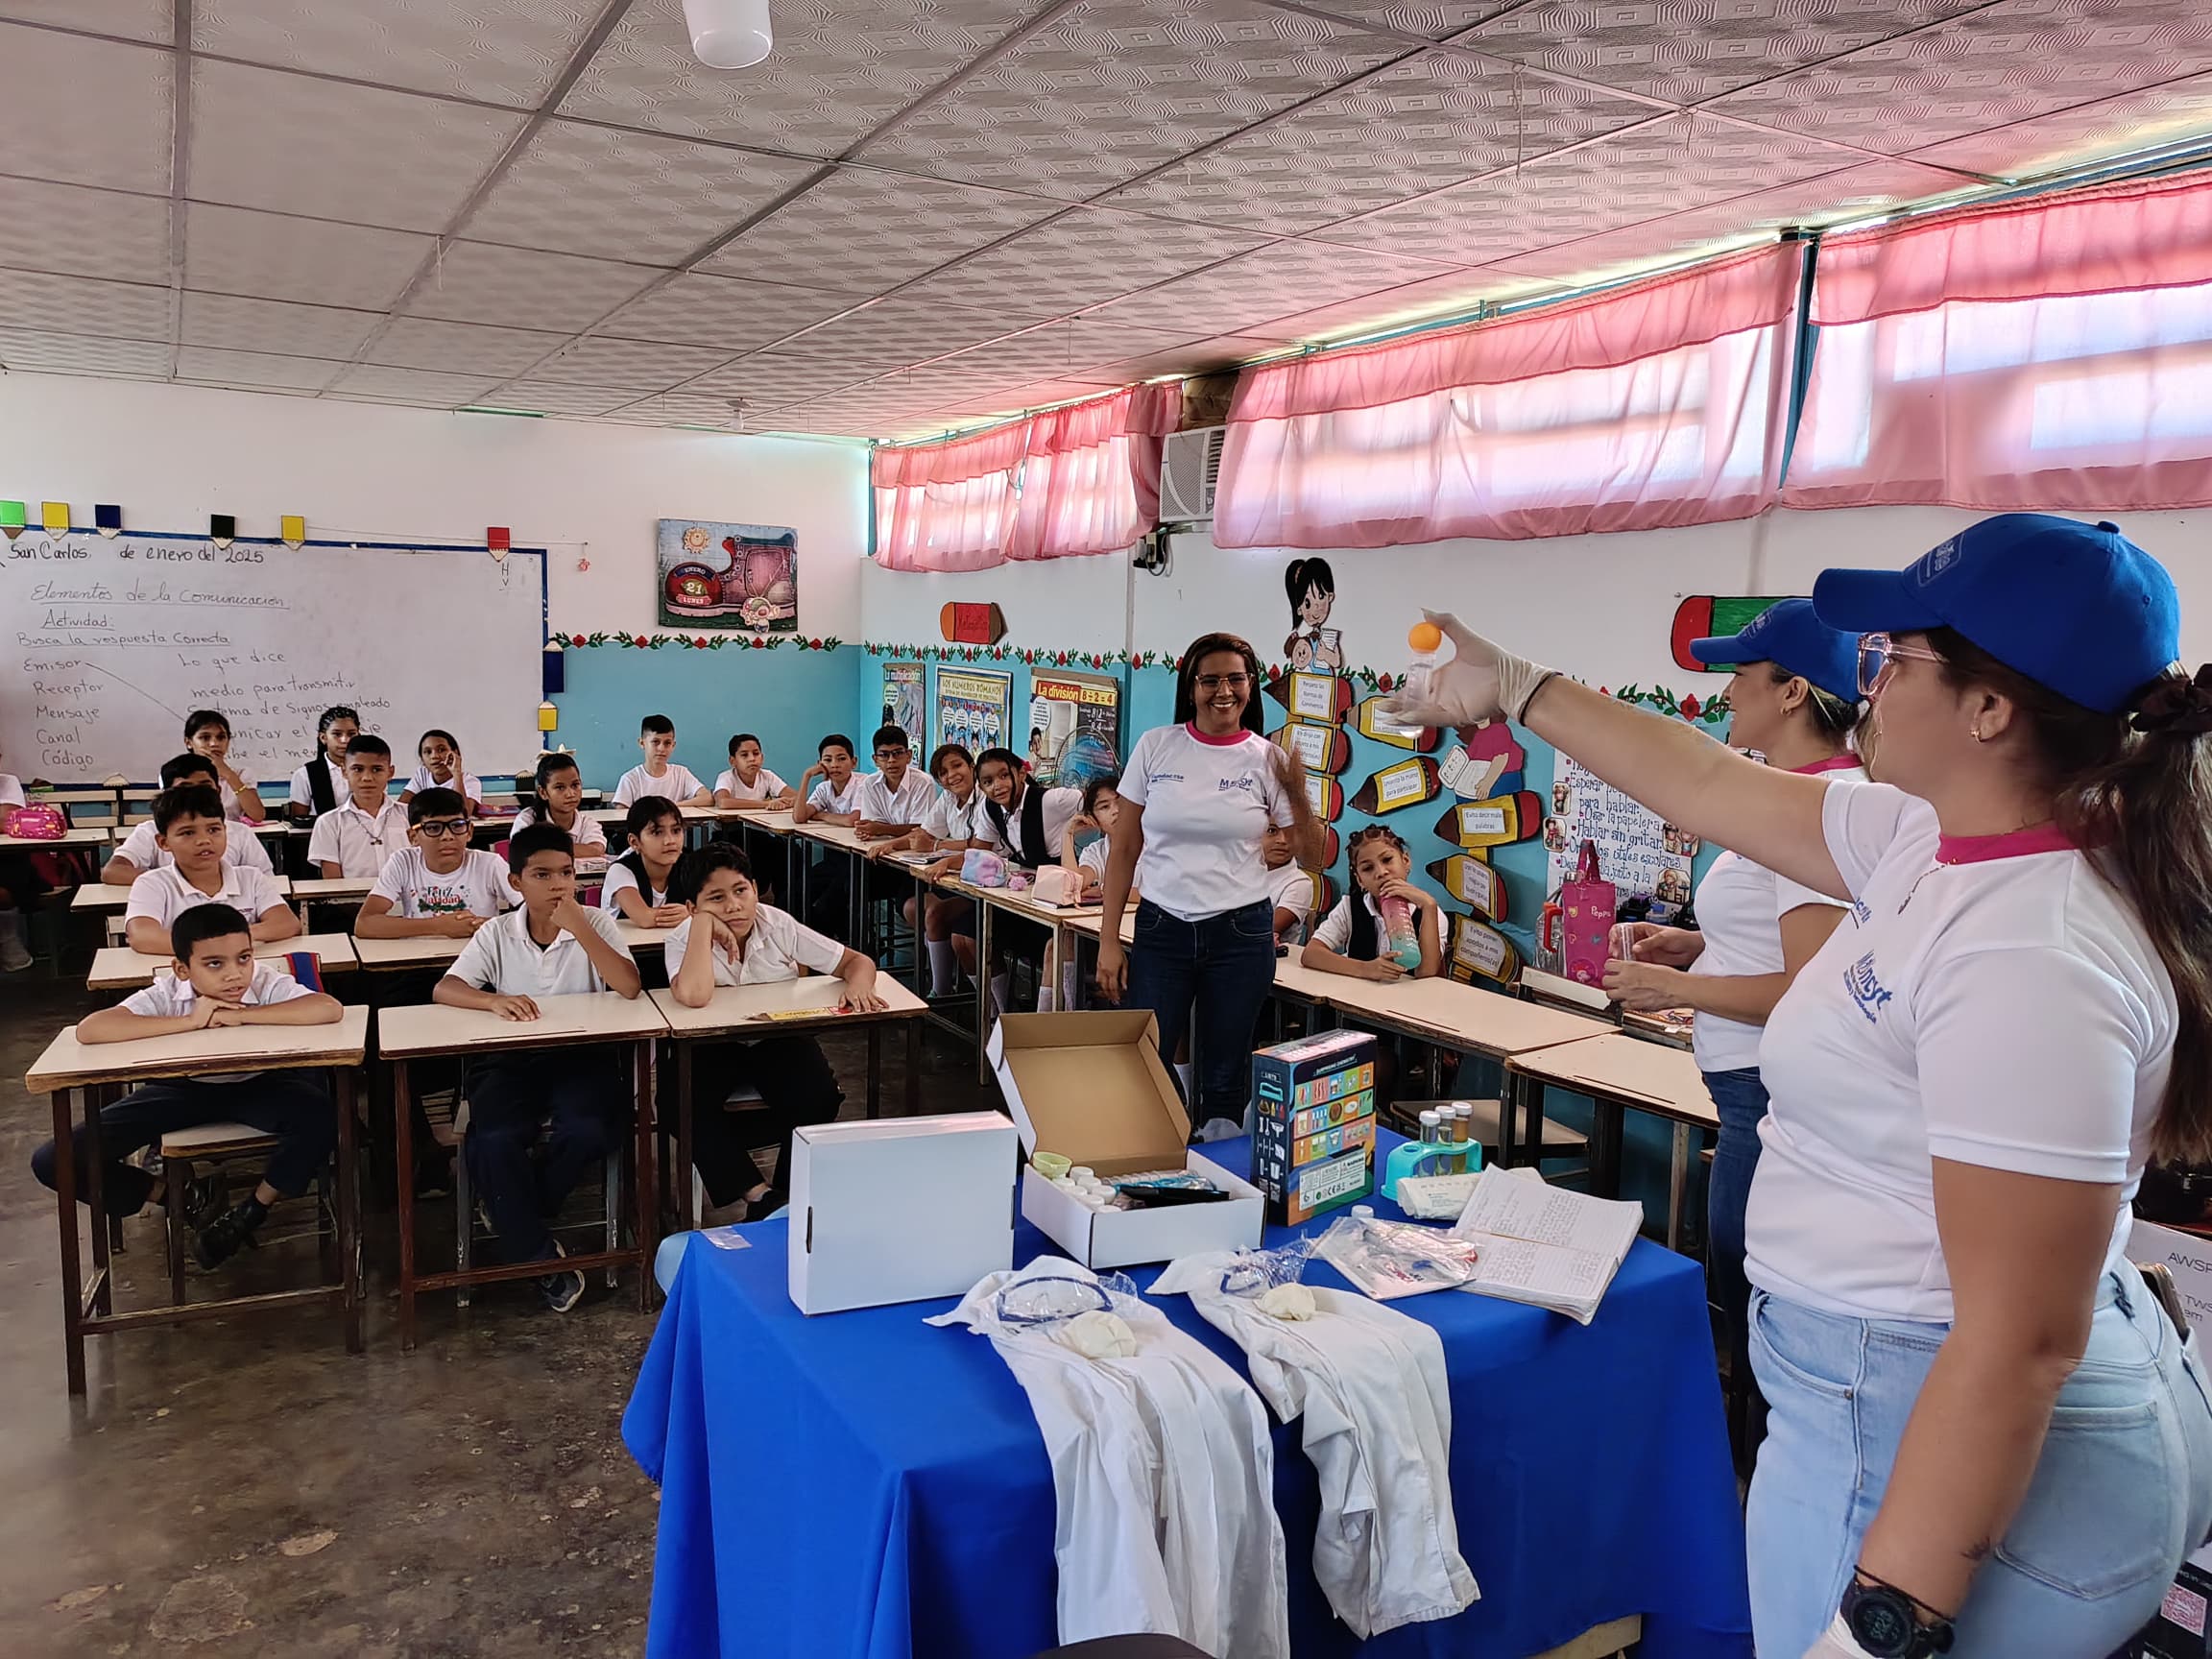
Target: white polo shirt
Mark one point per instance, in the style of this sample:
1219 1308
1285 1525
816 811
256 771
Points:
764 787
468 787
951 820
1740 907
1291 889
878 803
1061 807
777 948
358 842
1991 1003
588 832
1095 855
171 994
822 799
502 958
166 895
303 793
479 887
240 846
677 784
230 795
10 790
619 878
1208 803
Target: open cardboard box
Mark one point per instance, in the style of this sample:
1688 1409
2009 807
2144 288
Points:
1090 1086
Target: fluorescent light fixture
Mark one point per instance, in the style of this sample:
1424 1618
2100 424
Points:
729 33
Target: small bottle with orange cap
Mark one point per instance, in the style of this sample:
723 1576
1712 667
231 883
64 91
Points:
1427 641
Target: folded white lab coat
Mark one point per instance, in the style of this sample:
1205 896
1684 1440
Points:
1162 1479
1370 1385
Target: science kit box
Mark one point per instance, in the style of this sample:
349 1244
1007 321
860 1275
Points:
1315 1147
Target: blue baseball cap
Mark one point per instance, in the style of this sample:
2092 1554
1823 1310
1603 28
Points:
2077 608
1789 633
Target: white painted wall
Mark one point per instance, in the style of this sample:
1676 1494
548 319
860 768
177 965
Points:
171 455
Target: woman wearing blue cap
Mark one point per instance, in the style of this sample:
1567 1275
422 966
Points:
1986 1438
1794 699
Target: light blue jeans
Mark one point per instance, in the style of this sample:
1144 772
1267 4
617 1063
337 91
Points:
2122 1490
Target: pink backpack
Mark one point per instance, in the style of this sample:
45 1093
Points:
1586 910
39 823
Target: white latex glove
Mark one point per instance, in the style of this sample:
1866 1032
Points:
1294 1302
1836 1642
1099 1335
1482 681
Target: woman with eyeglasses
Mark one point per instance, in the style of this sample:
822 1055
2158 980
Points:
1197 800
1986 1438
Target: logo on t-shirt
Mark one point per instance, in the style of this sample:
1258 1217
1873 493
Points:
1156 779
441 899
1860 914
1865 988
1244 783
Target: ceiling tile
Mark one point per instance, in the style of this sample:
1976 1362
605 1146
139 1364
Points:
359 154
259 370
462 347
47 130
1078 261
1435 20
1273 282
627 196
893 333
840 68
1418 126
2010 62
2085 133
30 353
698 310
83 305
636 365
1427 301
862 231
273 256
274 326
475 283
131 20
1689 50
1117 87
1202 357
412 385
499 50
670 408
767 380
555 397
86 233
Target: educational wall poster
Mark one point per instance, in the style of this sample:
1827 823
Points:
1313 647
974 708
1641 854
907 703
1075 727
727 576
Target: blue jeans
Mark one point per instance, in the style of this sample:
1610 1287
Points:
1223 968
1740 1099
2122 1489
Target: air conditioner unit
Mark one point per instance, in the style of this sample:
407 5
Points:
1189 468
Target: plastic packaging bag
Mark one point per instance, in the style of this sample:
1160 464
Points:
1392 1258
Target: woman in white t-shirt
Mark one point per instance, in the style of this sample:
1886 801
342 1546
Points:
1794 700
1986 1436
1197 798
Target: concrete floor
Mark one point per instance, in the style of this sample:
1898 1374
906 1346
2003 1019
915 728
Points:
242 1488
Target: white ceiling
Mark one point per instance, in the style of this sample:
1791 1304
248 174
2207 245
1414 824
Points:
918 214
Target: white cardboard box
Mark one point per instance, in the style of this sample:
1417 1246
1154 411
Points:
1090 1086
2189 1258
899 1209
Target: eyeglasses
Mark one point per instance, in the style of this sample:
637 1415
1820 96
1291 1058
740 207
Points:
893 754
1208 684
1878 652
438 829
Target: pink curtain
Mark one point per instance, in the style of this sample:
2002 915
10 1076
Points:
1069 483
1650 405
2052 355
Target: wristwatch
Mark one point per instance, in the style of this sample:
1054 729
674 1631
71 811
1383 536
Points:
1887 1623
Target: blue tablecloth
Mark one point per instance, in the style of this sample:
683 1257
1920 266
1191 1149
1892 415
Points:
864 1485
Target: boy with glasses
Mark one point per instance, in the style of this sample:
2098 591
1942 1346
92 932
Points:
894 797
437 886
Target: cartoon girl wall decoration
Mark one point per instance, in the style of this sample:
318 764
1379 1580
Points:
1311 588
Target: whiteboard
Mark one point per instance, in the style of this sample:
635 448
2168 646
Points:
106 645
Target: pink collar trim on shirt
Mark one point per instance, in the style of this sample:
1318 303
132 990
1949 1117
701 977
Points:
1834 763
1228 740
2014 844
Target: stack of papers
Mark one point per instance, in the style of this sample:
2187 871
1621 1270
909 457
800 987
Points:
1544 1246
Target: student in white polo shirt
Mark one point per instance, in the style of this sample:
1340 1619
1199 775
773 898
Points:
437 758
189 826
436 886
895 797
207 733
355 837
1197 800
140 851
733 939
320 784
1027 823
1986 1438
749 785
947 828
550 946
558 800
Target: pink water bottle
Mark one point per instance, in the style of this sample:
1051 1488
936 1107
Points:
1403 938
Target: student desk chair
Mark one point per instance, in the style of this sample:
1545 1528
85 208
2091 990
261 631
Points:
780 1008
404 1035
102 1071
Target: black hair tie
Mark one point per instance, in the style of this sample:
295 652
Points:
2177 707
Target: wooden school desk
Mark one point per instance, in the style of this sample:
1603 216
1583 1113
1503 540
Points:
105 896
1552 990
432 1030
98 1069
784 1008
91 835
838 842
1625 1073
332 892
390 956
119 968
748 825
